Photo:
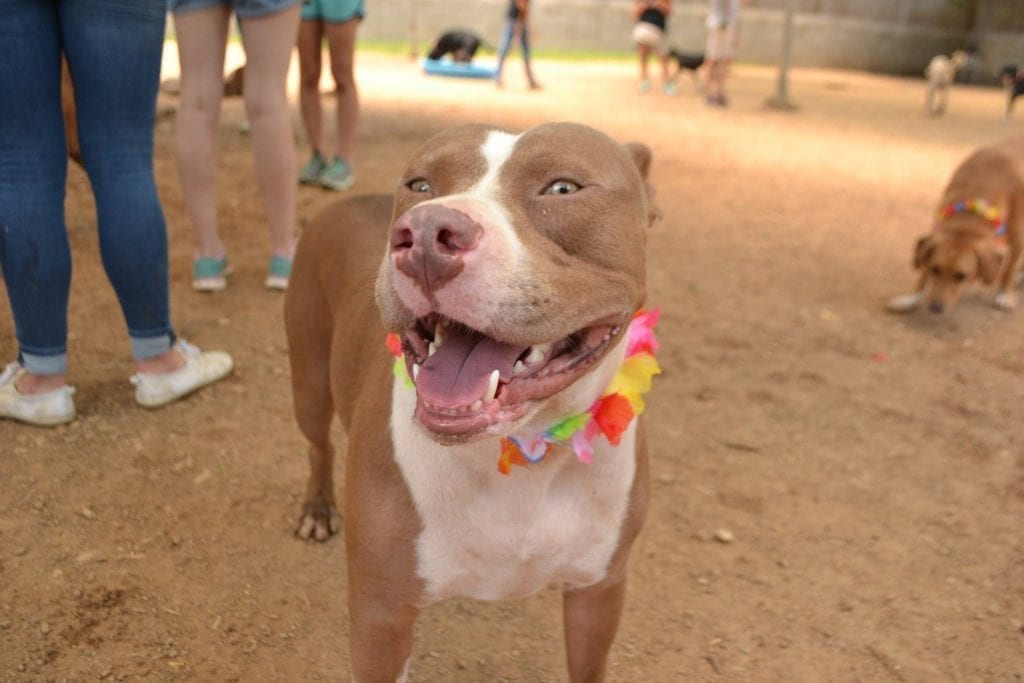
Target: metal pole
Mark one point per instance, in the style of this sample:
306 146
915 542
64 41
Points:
781 99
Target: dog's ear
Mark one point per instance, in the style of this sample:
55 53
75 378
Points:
642 157
923 251
990 262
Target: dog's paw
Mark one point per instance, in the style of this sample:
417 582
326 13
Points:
1005 301
904 303
319 521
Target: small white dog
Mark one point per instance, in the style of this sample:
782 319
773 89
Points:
940 73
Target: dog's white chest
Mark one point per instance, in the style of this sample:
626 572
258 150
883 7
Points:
489 536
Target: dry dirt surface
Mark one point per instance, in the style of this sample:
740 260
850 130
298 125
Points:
838 493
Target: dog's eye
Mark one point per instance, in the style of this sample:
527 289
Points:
419 185
936 270
959 277
561 187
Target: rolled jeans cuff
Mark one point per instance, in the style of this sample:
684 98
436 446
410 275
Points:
44 364
151 347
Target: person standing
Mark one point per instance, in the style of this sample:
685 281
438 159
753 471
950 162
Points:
269 30
113 49
651 17
337 20
723 34
517 27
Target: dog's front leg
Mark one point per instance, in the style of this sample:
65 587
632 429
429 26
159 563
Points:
908 302
1006 298
591 617
319 520
380 637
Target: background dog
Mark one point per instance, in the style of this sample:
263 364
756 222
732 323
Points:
462 45
978 233
510 268
686 61
940 73
1012 80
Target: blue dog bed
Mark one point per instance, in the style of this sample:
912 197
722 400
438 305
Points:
446 67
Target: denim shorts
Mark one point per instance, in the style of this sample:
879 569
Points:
245 9
332 11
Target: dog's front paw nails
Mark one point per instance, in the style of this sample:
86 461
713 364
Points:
904 303
1005 301
319 521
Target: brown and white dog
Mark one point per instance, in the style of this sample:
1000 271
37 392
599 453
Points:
978 233
520 257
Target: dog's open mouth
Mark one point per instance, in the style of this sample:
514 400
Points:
467 382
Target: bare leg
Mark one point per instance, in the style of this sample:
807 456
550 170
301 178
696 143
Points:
342 41
30 383
643 51
202 36
711 74
663 58
591 618
268 42
310 60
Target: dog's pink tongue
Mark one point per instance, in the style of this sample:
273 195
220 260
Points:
460 370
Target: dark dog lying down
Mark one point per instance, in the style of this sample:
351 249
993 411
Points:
460 44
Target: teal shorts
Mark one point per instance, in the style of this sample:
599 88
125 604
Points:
332 11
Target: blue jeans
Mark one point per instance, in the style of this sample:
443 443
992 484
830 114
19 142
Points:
113 48
506 45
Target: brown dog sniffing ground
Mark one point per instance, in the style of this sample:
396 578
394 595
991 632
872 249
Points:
510 267
978 234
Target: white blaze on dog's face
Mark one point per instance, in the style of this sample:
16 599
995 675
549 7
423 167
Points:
514 265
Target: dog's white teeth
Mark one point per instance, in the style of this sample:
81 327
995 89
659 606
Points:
415 371
477 405
519 368
537 353
438 337
431 350
492 387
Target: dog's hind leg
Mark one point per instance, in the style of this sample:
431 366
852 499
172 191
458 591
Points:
308 324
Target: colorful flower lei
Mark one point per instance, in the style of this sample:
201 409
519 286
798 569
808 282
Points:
610 414
981 207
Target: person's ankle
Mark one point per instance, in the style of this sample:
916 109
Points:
29 383
213 251
168 361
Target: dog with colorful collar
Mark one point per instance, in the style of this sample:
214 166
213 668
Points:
977 235
495 444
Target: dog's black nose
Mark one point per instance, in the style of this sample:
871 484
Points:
935 306
429 241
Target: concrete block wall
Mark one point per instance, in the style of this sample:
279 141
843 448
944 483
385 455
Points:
887 36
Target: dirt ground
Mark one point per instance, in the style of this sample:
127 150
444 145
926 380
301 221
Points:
869 468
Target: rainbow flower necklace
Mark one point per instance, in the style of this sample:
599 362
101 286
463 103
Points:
610 415
981 207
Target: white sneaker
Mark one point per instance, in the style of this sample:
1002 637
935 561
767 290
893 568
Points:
153 390
45 410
